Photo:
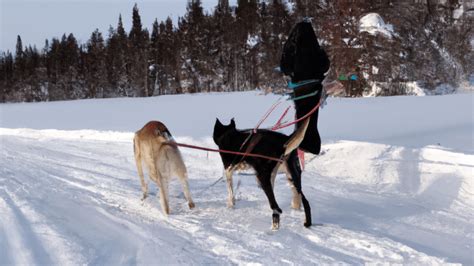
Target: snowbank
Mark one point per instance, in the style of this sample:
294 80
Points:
373 23
402 120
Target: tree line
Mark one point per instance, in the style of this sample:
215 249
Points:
236 48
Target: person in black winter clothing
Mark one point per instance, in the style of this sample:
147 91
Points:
305 62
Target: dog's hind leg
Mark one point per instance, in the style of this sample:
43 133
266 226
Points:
307 211
295 172
174 158
183 178
296 200
162 184
265 182
138 162
230 189
274 173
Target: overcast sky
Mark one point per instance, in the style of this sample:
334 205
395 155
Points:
37 20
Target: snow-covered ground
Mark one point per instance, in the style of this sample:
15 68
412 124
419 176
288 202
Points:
394 184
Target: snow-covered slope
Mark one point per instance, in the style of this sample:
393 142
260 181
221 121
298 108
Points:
394 184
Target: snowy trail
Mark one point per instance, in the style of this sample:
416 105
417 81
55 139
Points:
67 199
394 185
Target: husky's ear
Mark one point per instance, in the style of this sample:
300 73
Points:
218 130
218 127
218 123
232 123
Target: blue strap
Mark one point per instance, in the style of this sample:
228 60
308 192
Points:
294 86
293 98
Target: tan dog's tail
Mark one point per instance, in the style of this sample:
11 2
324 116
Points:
174 158
296 138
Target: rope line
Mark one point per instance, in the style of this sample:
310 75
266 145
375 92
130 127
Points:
225 151
280 126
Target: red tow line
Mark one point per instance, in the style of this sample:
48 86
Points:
277 126
225 151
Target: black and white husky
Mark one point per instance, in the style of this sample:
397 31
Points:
270 144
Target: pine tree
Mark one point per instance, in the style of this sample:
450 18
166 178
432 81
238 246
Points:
19 48
154 42
8 79
95 65
19 58
245 28
120 29
110 57
2 78
135 35
247 17
119 53
195 32
138 59
154 58
223 35
4 73
67 58
276 24
171 47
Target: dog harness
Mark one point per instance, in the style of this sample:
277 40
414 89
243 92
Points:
297 85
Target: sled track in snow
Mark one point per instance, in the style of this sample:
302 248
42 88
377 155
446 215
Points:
68 200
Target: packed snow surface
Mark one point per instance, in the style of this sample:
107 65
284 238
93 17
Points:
394 184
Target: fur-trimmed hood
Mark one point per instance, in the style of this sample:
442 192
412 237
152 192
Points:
302 57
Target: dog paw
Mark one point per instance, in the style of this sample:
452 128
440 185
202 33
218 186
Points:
231 203
307 224
275 222
191 205
296 206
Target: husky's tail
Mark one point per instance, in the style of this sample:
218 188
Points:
296 138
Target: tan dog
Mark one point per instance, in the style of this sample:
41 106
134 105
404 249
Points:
162 161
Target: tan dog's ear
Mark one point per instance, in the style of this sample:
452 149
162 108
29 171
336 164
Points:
157 132
167 135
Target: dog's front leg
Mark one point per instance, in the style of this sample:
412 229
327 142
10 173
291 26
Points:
230 190
265 182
